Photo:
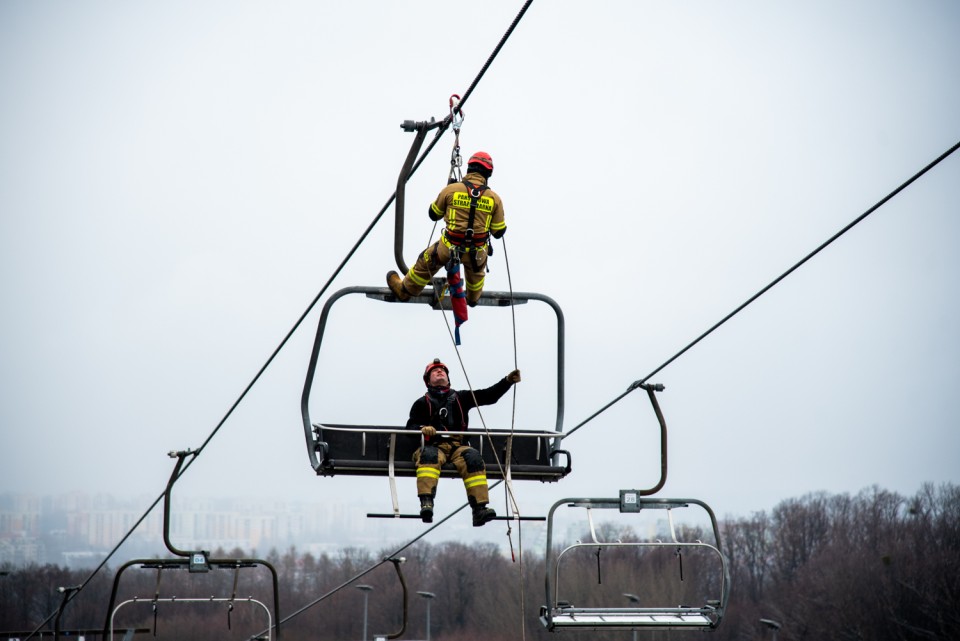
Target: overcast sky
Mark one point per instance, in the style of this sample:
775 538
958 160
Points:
178 180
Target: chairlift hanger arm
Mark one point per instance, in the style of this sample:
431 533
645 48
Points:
651 389
68 593
168 491
403 584
421 129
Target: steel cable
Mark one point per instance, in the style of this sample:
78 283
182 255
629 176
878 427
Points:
880 203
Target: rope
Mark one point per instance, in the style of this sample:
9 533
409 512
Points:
513 414
510 499
513 312
760 293
466 376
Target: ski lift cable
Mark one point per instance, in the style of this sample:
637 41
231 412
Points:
466 96
368 570
880 203
440 131
493 54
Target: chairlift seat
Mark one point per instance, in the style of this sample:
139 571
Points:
364 450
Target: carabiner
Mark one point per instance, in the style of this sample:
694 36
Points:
456 115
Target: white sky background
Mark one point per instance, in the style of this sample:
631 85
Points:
178 181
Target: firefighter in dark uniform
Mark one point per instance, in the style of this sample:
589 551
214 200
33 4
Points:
473 213
442 409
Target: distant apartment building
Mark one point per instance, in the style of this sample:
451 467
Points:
71 527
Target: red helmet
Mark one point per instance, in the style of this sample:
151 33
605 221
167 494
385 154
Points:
481 158
432 366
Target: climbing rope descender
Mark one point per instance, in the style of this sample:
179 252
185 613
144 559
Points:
456 161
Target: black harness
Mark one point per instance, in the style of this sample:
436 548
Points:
468 238
444 419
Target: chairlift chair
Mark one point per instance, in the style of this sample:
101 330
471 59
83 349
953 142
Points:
559 615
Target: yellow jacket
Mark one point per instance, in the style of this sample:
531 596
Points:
453 205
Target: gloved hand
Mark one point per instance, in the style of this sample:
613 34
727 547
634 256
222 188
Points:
428 431
514 376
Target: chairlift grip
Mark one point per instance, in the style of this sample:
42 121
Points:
421 125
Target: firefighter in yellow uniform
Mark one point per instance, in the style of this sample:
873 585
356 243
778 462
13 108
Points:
473 213
443 410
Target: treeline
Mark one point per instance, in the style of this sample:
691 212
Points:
875 566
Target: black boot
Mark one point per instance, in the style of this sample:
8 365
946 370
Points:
395 283
482 514
426 508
